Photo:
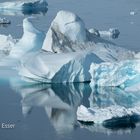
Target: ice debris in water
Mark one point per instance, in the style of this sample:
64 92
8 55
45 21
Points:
111 33
4 21
132 13
6 44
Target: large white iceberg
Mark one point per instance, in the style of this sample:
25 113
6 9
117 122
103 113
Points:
68 51
24 7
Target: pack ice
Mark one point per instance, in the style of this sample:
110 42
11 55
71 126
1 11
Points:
25 7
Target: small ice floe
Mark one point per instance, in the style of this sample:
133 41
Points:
4 21
133 13
111 33
94 31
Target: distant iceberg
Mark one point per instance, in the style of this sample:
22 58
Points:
111 33
25 7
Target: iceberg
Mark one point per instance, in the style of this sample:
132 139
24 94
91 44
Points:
111 33
25 7
68 51
13 50
31 40
68 33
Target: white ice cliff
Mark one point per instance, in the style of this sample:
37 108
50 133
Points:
69 49
25 7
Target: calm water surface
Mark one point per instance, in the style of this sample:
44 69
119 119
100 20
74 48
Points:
48 112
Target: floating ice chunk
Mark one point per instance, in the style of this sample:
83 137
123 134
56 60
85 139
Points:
94 31
137 55
100 115
111 33
23 6
132 13
6 44
4 21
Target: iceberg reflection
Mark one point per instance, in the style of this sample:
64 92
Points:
60 103
107 110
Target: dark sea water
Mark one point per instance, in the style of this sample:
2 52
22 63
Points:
25 106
